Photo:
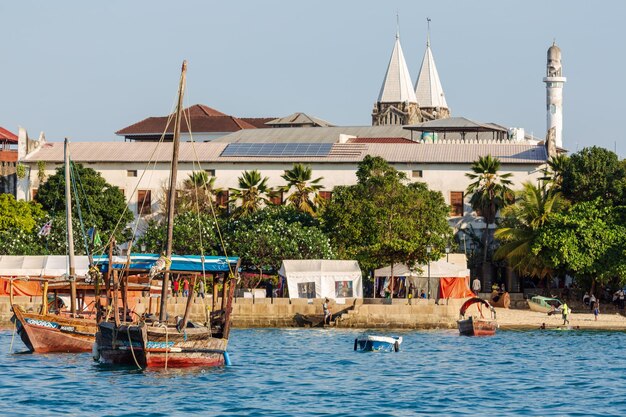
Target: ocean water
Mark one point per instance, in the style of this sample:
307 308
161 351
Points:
293 372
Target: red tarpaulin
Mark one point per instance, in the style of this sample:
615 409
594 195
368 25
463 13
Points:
454 288
27 288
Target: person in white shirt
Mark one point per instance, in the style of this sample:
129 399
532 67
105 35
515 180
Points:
476 286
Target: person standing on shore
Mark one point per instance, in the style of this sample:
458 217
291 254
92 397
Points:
201 288
186 288
327 314
596 310
476 286
565 313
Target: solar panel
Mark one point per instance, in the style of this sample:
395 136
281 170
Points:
277 149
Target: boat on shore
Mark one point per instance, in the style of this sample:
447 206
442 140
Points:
544 304
373 343
477 326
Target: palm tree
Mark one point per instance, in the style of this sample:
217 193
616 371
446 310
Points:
253 193
299 178
489 193
553 174
197 193
521 223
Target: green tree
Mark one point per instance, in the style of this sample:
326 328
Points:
522 223
595 173
266 237
197 194
299 179
588 240
383 220
101 204
490 191
252 195
193 233
19 224
553 174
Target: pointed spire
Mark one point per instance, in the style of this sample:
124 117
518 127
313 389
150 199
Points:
428 89
397 86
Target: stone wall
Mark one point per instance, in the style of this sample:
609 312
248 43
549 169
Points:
282 312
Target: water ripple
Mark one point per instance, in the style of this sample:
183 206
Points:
315 372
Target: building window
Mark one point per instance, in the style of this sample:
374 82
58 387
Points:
416 173
277 199
222 199
210 172
144 202
326 195
456 203
131 173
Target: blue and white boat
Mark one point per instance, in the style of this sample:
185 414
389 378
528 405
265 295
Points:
371 343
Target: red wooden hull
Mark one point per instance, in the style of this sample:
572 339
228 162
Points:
48 333
159 347
477 327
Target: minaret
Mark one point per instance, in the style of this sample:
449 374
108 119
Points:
396 104
554 93
428 90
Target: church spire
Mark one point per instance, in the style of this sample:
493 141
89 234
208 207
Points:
396 104
428 89
397 85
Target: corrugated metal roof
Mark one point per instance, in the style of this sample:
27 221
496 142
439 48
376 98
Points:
7 136
313 134
299 119
340 152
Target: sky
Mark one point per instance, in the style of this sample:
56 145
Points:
84 70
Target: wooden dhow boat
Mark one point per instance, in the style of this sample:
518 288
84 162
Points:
164 342
48 332
477 326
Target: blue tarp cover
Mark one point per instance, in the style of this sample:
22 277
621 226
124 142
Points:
187 263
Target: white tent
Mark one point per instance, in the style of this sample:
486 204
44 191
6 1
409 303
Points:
49 266
319 278
438 269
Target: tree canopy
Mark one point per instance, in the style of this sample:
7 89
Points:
383 219
595 172
101 204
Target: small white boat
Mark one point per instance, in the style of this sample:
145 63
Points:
371 343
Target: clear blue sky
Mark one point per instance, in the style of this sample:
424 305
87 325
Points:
85 69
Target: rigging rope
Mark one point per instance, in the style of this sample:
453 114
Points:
73 174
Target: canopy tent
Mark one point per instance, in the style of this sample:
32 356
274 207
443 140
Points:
44 266
319 278
450 280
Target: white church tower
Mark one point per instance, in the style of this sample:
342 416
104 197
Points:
554 94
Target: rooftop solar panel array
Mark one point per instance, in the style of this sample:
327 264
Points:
277 149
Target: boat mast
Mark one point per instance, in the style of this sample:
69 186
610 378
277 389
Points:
70 232
171 198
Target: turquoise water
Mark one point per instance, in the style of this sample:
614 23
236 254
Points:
281 372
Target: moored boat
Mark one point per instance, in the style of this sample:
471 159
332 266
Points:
373 343
477 326
544 304
45 333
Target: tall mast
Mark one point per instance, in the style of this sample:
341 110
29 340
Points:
70 232
171 197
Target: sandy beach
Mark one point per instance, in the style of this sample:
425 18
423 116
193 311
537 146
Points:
527 319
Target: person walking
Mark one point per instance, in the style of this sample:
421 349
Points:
565 313
201 288
476 286
596 309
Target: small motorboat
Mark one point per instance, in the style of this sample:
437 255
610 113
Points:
544 304
371 343
477 326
